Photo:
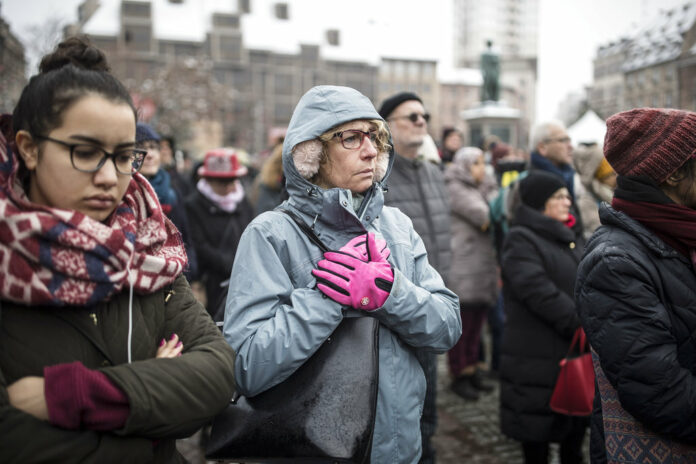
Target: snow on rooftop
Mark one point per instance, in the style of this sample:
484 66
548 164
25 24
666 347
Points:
661 39
462 76
367 29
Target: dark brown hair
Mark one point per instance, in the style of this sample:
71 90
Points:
74 69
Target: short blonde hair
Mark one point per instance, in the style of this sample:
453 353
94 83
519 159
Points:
310 155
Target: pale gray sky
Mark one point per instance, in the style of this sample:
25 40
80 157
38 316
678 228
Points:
569 33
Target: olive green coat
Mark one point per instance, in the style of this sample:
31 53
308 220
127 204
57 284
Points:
169 398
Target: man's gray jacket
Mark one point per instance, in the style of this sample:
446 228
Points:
417 188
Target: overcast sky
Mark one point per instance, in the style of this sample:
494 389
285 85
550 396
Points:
569 32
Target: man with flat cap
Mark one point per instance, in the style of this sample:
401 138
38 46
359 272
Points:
417 188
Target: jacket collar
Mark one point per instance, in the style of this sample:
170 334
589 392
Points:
612 217
543 225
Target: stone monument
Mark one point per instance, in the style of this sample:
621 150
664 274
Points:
491 116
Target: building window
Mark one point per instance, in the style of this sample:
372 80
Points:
668 100
244 6
135 9
226 21
281 11
283 112
137 37
283 84
669 73
230 48
332 37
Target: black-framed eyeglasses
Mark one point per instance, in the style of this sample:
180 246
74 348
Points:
413 117
86 157
352 139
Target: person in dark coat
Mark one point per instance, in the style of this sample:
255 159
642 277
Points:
539 260
219 212
636 291
171 201
105 355
269 186
417 187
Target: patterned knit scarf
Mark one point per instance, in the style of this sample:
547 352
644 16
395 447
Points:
50 256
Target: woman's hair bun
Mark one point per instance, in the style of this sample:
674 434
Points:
77 51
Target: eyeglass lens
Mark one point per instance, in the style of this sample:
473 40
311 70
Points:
352 139
90 158
413 117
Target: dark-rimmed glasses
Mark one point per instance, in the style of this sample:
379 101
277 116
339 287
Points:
352 139
413 117
86 157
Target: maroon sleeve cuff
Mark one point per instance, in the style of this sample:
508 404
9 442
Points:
77 397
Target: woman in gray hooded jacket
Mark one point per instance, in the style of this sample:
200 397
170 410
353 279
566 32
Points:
336 157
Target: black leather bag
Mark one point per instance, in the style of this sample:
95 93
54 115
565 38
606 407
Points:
324 412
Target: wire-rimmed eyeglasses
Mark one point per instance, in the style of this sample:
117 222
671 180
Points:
352 139
86 157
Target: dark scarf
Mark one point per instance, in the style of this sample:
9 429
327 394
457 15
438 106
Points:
162 183
641 199
566 171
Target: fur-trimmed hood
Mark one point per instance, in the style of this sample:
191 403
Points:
320 109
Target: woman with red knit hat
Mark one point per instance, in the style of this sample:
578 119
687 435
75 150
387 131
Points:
636 292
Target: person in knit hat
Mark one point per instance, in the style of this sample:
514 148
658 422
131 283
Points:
218 213
539 260
636 289
417 188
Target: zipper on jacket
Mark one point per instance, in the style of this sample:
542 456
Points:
363 206
93 316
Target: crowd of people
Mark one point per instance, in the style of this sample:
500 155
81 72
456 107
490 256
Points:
136 297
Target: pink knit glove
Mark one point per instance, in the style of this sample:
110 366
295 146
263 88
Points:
350 281
356 247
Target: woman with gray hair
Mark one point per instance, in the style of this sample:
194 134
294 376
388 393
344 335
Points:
473 275
286 297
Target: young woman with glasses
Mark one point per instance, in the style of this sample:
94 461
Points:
105 356
286 298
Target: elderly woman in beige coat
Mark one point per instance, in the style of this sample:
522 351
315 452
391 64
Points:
473 276
599 180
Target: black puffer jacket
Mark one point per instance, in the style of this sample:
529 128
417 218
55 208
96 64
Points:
539 260
636 298
215 234
417 188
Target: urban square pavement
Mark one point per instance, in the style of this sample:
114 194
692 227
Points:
468 432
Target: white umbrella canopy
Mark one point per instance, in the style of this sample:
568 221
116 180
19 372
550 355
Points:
590 128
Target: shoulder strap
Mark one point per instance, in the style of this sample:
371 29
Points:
309 232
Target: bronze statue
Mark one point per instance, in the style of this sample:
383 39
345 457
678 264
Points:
490 69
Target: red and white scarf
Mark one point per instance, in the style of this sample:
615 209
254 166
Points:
51 256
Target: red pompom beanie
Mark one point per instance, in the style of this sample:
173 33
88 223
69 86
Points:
652 142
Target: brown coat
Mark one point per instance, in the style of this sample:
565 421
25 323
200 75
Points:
473 275
169 398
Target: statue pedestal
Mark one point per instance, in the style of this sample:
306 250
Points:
492 118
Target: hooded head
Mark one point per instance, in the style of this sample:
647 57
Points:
319 115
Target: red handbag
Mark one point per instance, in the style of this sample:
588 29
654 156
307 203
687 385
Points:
574 391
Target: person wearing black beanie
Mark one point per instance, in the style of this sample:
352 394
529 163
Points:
539 261
538 187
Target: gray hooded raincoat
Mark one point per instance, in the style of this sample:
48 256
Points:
275 317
